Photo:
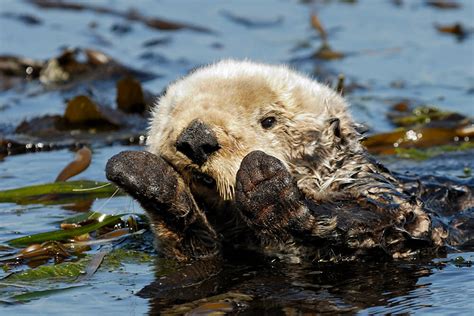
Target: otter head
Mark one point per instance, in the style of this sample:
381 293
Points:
207 122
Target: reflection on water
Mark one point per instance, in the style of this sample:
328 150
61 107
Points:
374 288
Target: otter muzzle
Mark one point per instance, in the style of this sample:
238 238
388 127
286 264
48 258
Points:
197 142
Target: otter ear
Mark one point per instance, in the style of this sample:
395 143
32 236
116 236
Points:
360 128
335 127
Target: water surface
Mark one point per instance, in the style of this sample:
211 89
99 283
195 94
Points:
393 53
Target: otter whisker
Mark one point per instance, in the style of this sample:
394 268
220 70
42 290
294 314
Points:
92 189
107 201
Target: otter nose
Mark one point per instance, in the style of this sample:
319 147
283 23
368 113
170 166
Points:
197 142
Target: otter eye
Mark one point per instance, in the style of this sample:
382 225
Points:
268 122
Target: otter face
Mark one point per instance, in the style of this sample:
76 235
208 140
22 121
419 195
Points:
207 122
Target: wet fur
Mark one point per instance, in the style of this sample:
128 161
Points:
326 198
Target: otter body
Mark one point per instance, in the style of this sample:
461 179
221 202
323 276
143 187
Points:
248 155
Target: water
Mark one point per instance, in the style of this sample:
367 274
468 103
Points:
393 52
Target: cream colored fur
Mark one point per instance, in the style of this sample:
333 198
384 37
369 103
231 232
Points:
233 97
314 136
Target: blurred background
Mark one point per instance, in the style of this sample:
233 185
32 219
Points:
389 49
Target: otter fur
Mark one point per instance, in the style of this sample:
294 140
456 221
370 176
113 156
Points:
249 155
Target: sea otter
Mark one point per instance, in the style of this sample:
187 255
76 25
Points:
256 156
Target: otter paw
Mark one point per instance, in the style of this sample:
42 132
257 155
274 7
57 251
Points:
181 228
145 176
265 191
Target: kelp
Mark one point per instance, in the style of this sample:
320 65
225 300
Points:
443 4
8 147
120 256
130 96
402 114
71 67
58 191
325 51
83 112
79 234
66 271
85 115
80 163
80 218
131 15
252 22
27 19
14 66
29 284
423 154
63 235
422 127
87 118
71 271
388 143
26 144
456 29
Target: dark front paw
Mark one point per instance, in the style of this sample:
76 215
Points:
265 191
181 228
145 176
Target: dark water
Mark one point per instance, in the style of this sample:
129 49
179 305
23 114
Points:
393 52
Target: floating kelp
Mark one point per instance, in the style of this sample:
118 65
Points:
27 19
85 117
157 41
84 121
131 15
81 162
54 128
252 22
130 96
13 66
456 29
443 4
121 256
14 147
58 191
72 239
422 154
37 254
70 271
402 114
8 146
422 127
15 71
70 67
81 111
65 276
65 235
423 137
318 26
325 51
35 143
